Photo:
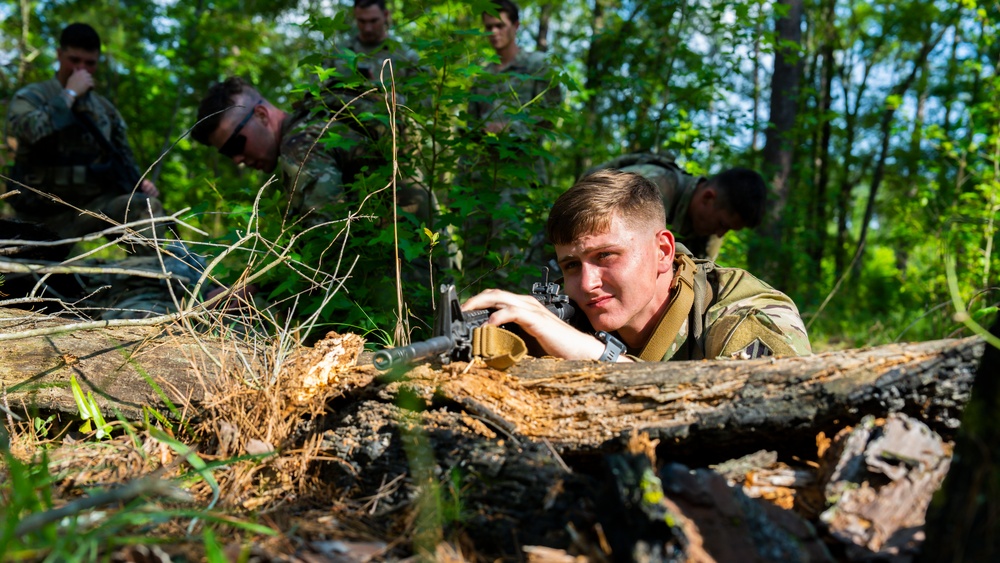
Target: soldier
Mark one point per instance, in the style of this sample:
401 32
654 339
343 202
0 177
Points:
244 126
515 91
700 211
247 128
372 45
71 143
511 105
648 300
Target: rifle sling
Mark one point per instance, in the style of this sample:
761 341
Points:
498 347
113 153
681 299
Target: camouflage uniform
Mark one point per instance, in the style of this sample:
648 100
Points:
676 187
314 175
525 81
519 87
405 64
58 155
736 315
371 58
120 296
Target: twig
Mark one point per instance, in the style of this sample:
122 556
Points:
95 325
836 287
556 455
21 267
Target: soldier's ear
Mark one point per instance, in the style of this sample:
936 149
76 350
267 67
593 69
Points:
665 256
709 196
261 111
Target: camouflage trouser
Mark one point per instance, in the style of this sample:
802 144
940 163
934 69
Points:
117 209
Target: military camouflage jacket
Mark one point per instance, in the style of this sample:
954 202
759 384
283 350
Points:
676 188
314 173
525 81
54 150
735 315
372 57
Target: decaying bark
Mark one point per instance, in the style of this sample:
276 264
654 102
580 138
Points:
708 408
702 408
964 522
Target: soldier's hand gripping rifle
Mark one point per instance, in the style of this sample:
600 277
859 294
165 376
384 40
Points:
453 328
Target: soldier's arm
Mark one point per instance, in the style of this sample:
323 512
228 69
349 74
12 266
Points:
313 179
751 319
32 117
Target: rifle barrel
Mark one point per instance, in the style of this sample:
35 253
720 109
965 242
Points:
385 359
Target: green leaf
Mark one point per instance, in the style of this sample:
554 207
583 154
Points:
81 404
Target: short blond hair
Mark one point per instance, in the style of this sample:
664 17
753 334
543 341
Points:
589 206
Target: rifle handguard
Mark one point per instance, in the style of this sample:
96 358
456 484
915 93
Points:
385 359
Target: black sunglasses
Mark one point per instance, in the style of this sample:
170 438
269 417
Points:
235 144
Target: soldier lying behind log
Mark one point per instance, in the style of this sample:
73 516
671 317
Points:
647 297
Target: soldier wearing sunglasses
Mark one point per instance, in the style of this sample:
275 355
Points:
245 127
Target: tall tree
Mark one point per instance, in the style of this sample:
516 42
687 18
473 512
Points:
780 134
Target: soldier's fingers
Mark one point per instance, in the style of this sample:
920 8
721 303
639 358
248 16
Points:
488 299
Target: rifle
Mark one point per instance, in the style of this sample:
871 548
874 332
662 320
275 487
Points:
453 328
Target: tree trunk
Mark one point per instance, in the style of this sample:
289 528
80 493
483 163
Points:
704 408
897 92
779 137
822 175
593 126
544 19
964 521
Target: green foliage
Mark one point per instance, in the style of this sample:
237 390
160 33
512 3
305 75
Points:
89 411
678 77
32 527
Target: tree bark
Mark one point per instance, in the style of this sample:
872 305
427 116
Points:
779 137
963 524
887 116
822 174
519 454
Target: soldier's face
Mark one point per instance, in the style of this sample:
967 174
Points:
373 24
245 137
709 216
72 59
501 30
620 278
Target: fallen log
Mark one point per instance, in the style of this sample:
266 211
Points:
708 408
126 367
699 409
513 454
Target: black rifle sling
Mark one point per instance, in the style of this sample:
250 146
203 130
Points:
128 173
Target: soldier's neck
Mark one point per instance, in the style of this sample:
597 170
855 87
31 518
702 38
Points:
508 54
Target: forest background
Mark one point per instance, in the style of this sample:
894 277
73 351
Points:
875 124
